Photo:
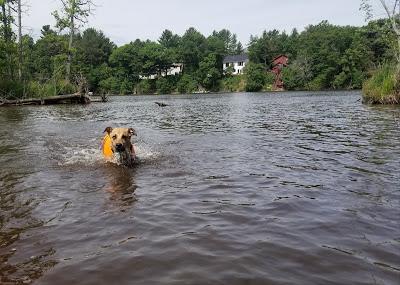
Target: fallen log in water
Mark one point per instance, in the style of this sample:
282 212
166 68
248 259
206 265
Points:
100 98
96 100
76 98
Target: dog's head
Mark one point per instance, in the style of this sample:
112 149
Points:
121 138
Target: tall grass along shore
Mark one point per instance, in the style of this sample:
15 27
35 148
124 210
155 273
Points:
383 87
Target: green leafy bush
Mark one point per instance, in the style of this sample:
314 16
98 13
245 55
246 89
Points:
146 86
110 85
234 83
208 73
11 89
166 85
187 84
269 81
296 76
126 87
256 77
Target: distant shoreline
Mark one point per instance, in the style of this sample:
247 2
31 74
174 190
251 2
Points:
233 92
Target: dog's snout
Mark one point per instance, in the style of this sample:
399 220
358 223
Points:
119 147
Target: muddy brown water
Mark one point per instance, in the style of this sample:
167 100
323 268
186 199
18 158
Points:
277 188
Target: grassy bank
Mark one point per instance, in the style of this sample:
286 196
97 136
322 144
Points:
383 87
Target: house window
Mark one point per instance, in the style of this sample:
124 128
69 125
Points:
241 63
227 64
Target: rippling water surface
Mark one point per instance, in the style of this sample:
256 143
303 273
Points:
278 188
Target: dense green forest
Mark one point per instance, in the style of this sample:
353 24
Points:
323 56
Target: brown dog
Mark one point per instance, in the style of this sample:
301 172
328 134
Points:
120 143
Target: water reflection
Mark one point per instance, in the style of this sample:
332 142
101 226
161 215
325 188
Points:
273 188
121 186
20 264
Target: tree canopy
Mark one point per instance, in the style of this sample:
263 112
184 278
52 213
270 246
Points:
323 56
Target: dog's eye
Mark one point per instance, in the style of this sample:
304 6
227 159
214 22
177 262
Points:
114 137
124 136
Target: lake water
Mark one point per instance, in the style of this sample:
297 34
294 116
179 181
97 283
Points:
267 188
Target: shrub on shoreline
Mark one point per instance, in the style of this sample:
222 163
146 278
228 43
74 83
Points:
383 87
35 89
146 86
233 83
167 85
187 84
255 77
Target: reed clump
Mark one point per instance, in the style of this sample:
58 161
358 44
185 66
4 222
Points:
383 87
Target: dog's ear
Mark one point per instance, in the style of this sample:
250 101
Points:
108 130
132 131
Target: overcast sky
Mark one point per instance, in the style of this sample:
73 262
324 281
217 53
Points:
125 20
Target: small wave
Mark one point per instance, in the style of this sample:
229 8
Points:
77 155
145 152
91 156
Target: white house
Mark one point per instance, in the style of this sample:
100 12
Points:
237 62
175 69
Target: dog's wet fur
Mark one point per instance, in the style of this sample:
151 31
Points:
122 145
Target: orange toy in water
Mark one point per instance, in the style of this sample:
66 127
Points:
106 147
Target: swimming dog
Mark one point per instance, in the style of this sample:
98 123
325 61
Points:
118 141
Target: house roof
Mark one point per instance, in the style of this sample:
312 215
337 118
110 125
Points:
278 56
236 58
